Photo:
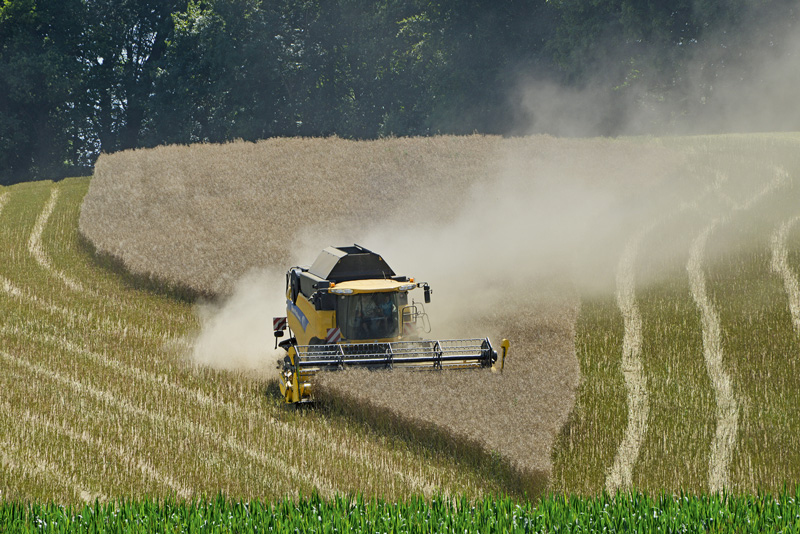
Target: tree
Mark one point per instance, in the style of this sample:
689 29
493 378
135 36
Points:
490 44
667 59
224 74
124 44
352 76
40 72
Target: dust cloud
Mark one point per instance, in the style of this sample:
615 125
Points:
236 333
539 224
731 82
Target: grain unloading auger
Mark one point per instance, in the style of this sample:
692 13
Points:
349 309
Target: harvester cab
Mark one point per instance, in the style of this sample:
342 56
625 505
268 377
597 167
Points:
349 309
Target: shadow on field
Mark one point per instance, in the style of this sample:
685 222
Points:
432 440
140 281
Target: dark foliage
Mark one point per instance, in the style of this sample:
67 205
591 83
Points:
81 77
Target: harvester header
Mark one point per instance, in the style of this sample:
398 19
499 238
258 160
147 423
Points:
350 309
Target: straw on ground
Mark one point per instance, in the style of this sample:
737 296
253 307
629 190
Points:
780 265
620 473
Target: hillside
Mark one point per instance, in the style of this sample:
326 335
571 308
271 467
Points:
648 286
490 223
683 341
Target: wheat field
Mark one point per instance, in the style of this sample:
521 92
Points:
98 401
648 287
418 201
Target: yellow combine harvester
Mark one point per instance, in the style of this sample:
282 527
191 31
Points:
350 309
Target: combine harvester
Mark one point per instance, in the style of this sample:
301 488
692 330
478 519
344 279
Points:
349 309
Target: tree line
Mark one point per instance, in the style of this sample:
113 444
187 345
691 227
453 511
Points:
81 77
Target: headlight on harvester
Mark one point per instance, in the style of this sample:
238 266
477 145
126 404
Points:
341 291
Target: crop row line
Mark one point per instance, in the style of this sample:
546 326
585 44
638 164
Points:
621 473
727 407
12 458
72 316
727 412
275 464
35 243
780 265
132 371
145 467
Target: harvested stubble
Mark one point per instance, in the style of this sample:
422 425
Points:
744 190
496 218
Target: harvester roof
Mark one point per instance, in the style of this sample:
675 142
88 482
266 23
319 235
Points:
372 286
340 264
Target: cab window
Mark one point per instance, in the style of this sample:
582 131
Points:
369 315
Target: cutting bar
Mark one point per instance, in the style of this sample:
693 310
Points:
435 353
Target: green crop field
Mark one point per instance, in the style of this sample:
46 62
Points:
633 512
655 350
